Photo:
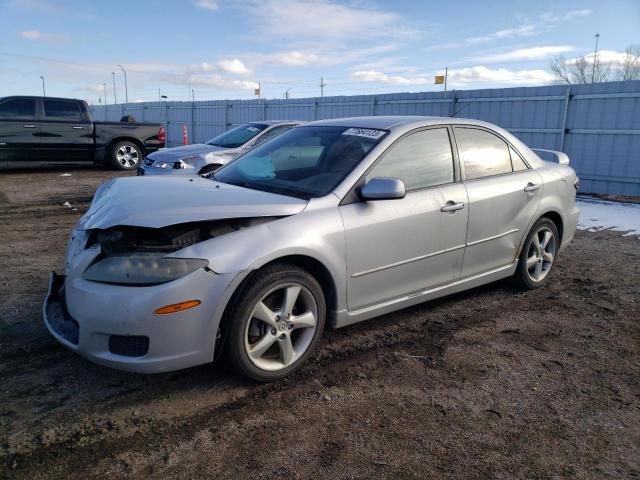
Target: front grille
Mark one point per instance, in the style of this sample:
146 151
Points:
129 345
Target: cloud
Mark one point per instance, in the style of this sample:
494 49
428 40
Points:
233 66
524 54
520 31
218 81
380 77
461 77
38 36
297 58
324 21
206 4
480 74
606 57
543 23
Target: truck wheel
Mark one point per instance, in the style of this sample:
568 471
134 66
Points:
125 155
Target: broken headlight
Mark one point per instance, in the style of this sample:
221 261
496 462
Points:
141 269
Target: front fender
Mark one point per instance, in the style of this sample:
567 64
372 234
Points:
318 234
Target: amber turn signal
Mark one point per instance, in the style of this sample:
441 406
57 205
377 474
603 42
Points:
177 307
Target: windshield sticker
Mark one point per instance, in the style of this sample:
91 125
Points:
365 132
253 129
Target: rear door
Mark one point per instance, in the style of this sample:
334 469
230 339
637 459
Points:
66 131
19 130
504 194
399 247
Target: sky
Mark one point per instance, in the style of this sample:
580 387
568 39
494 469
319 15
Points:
215 49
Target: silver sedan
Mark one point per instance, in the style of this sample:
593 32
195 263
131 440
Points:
328 224
205 158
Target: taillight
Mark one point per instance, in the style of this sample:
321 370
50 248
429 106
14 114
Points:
576 184
162 135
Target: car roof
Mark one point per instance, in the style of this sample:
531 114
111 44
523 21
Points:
36 97
271 123
390 122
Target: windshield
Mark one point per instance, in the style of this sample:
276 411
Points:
303 162
236 137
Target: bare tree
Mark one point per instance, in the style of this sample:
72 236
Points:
580 70
630 69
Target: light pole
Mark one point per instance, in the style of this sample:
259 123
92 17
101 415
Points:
126 90
193 95
113 77
44 94
595 59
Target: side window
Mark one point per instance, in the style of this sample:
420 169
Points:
484 154
274 132
62 110
18 109
517 161
420 160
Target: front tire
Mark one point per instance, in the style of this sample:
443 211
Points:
538 255
276 323
125 155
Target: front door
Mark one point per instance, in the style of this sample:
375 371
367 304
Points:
66 131
504 194
399 247
19 130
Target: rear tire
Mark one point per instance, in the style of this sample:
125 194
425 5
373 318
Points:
125 155
276 323
538 255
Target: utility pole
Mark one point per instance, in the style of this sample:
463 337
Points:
126 89
446 72
104 85
44 94
322 85
159 96
193 95
595 59
113 77
286 94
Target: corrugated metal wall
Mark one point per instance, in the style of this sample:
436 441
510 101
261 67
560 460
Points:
597 125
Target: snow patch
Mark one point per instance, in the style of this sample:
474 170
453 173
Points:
596 215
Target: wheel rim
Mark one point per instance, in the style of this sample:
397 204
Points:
540 254
127 156
281 327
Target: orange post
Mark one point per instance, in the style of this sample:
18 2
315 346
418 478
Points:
185 136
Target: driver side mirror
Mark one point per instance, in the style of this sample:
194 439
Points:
383 188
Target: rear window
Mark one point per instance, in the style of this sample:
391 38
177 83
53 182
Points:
62 110
236 137
484 153
18 109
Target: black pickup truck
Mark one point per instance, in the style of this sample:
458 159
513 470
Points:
47 130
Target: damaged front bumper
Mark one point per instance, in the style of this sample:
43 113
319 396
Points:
115 325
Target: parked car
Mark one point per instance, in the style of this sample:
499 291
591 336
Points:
47 130
330 223
205 158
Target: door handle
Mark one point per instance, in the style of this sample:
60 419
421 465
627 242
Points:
452 207
77 128
531 187
28 126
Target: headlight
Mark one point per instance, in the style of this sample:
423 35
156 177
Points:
160 164
142 270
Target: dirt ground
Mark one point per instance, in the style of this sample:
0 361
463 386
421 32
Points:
491 383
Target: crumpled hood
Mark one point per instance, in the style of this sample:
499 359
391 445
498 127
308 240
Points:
178 153
161 201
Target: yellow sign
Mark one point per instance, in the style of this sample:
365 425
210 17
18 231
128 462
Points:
439 80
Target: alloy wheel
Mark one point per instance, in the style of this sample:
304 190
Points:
281 326
127 156
540 254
